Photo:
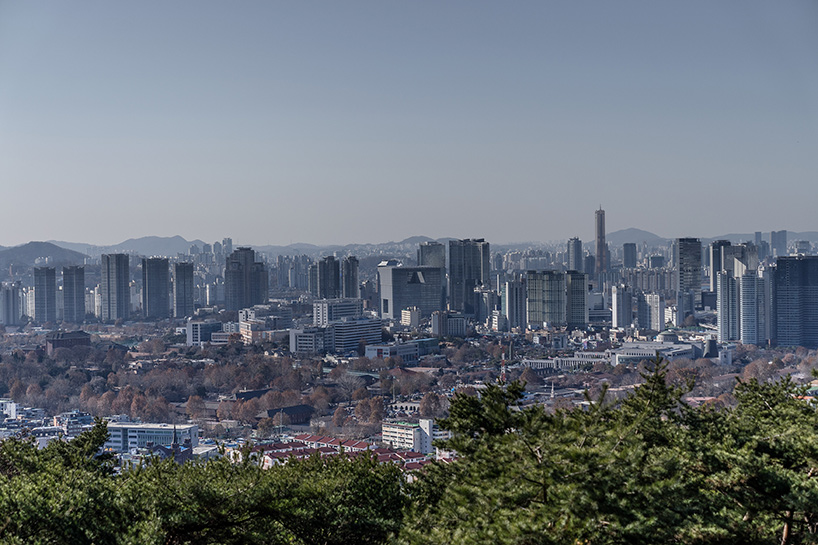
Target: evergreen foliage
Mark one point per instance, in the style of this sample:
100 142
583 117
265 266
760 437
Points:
647 469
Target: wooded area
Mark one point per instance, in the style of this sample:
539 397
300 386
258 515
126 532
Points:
646 469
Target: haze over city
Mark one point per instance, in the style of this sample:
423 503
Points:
333 123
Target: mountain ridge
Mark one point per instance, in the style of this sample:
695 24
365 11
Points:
173 245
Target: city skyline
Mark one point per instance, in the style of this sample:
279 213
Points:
203 118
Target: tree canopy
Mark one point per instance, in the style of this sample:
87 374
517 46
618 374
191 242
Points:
644 469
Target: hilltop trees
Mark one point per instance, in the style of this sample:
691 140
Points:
67 493
646 470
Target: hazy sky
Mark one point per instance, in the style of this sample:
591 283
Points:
337 122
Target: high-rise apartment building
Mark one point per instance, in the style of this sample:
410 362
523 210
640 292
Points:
432 254
753 309
245 280
11 310
621 306
155 288
350 286
651 311
183 290
688 260
469 267
727 307
601 245
576 299
513 303
329 278
629 255
45 294
575 255
73 292
115 292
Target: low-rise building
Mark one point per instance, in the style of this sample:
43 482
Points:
407 352
414 436
124 436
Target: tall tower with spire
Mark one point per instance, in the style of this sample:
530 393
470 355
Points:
601 246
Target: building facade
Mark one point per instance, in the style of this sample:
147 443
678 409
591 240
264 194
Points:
576 261
796 301
350 286
601 245
73 292
155 288
406 287
115 292
183 285
469 267
432 254
245 280
688 260
45 294
325 311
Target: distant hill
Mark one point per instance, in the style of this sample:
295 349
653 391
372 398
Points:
147 246
27 254
163 246
416 240
618 238
80 247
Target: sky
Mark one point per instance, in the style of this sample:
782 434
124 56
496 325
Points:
351 122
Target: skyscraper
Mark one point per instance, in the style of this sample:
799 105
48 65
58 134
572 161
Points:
601 245
796 301
350 287
513 303
155 288
575 256
329 278
752 308
716 261
778 243
688 259
727 307
245 280
10 303
404 287
651 311
73 292
621 306
469 267
629 255
546 298
115 292
576 302
432 254
45 294
183 290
